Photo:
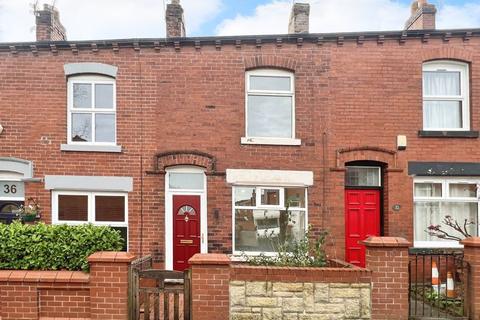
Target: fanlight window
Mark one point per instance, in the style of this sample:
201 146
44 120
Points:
186 210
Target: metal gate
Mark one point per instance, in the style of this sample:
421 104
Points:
438 284
155 294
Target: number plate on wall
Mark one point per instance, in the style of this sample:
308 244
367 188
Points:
12 189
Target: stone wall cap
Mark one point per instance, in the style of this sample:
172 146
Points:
209 259
471 242
390 242
111 256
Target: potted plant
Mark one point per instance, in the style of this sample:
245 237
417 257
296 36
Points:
30 211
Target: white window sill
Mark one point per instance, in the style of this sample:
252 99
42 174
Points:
90 148
272 141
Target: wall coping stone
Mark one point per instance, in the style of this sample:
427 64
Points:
386 242
300 274
471 242
44 276
209 259
107 256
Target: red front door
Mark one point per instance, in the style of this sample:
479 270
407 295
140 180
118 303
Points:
362 220
186 229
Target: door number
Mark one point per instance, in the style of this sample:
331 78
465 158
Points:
9 188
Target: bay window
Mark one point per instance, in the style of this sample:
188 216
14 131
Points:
436 198
98 208
446 96
261 221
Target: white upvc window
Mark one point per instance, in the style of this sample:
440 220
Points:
98 208
270 107
91 110
260 212
435 198
446 105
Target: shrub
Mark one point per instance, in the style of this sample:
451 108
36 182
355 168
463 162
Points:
305 252
53 247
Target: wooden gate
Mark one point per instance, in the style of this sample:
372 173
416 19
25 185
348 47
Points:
155 294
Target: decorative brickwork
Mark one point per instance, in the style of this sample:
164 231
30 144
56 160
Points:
186 158
270 61
387 258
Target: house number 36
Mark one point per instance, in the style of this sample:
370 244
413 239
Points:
9 188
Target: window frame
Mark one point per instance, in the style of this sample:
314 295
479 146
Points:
259 206
91 80
91 208
452 66
268 72
445 182
377 168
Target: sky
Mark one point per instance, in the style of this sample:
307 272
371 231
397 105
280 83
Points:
121 19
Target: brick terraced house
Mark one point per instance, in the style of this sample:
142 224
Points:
198 144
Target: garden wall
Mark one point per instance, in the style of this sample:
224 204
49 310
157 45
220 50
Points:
299 293
100 294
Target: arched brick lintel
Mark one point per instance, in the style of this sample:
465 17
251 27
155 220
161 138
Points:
270 61
366 153
448 53
185 158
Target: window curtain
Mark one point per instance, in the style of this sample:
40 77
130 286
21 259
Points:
441 83
433 213
442 114
438 113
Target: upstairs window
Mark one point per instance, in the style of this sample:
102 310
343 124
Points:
270 99
91 110
446 96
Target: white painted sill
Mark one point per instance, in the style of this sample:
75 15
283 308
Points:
271 141
90 148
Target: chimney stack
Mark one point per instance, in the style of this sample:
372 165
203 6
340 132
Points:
49 27
422 16
299 18
174 19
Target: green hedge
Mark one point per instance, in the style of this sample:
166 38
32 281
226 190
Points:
53 247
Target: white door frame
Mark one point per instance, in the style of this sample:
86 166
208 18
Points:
169 214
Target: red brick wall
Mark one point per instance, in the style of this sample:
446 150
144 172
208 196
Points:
281 274
101 294
472 256
210 281
347 95
387 258
34 294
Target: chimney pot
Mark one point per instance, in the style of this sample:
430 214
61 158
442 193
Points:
299 18
175 20
48 25
422 16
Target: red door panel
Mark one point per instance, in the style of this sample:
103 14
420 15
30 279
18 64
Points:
362 220
186 229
